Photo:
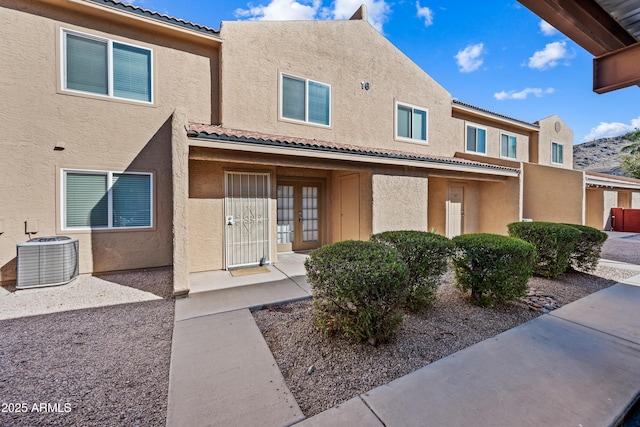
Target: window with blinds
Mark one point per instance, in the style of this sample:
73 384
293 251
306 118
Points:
106 200
305 100
105 67
411 122
508 146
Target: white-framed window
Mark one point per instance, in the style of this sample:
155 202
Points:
556 153
411 122
106 67
305 100
508 146
106 200
476 139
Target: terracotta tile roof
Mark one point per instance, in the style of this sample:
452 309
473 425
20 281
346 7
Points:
157 16
502 116
197 130
612 177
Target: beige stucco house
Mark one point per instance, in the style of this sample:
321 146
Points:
157 142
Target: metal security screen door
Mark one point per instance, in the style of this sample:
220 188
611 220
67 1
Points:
298 215
247 218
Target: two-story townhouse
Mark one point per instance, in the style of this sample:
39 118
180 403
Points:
89 90
328 133
156 141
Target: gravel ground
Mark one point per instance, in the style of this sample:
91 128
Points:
322 372
103 366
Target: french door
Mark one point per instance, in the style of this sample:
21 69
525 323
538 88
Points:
299 215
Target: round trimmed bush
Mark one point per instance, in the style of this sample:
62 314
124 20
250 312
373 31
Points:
554 244
493 267
358 289
588 247
427 255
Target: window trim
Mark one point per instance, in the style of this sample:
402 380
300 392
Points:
109 175
306 97
516 147
560 145
413 107
110 85
486 133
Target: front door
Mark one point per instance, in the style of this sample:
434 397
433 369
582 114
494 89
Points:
455 211
247 219
299 215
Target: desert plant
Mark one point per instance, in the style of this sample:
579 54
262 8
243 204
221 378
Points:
554 244
358 289
493 267
586 252
427 255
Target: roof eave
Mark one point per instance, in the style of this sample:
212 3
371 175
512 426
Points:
205 35
495 117
270 147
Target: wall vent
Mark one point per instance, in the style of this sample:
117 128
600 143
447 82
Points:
46 261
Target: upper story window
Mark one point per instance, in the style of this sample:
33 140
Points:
106 200
556 153
305 100
508 146
105 67
411 122
476 139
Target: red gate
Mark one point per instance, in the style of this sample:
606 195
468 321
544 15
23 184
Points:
623 219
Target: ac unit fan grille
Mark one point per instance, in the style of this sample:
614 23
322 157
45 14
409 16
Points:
46 262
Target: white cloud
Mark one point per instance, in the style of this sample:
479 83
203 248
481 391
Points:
377 11
469 58
287 10
546 28
549 56
281 10
609 130
426 13
512 94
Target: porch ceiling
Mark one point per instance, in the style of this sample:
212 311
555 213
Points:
238 140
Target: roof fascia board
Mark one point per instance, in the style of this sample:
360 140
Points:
493 117
146 20
213 142
617 70
603 182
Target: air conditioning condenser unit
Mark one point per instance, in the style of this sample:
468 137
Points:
46 261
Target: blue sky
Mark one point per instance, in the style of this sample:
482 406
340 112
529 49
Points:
496 55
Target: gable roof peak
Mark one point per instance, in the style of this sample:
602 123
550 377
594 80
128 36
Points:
360 14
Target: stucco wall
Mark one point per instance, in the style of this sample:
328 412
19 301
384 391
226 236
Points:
399 203
494 132
552 194
499 203
97 133
358 54
548 134
594 208
610 200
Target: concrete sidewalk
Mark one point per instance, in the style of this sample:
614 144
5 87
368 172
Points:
577 366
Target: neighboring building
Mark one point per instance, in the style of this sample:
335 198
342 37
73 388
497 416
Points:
158 142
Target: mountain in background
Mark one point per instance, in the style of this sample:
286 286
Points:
601 155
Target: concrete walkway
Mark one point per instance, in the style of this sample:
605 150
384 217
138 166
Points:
222 372
577 366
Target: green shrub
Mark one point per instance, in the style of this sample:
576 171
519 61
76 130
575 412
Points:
586 252
554 244
427 255
493 267
358 289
